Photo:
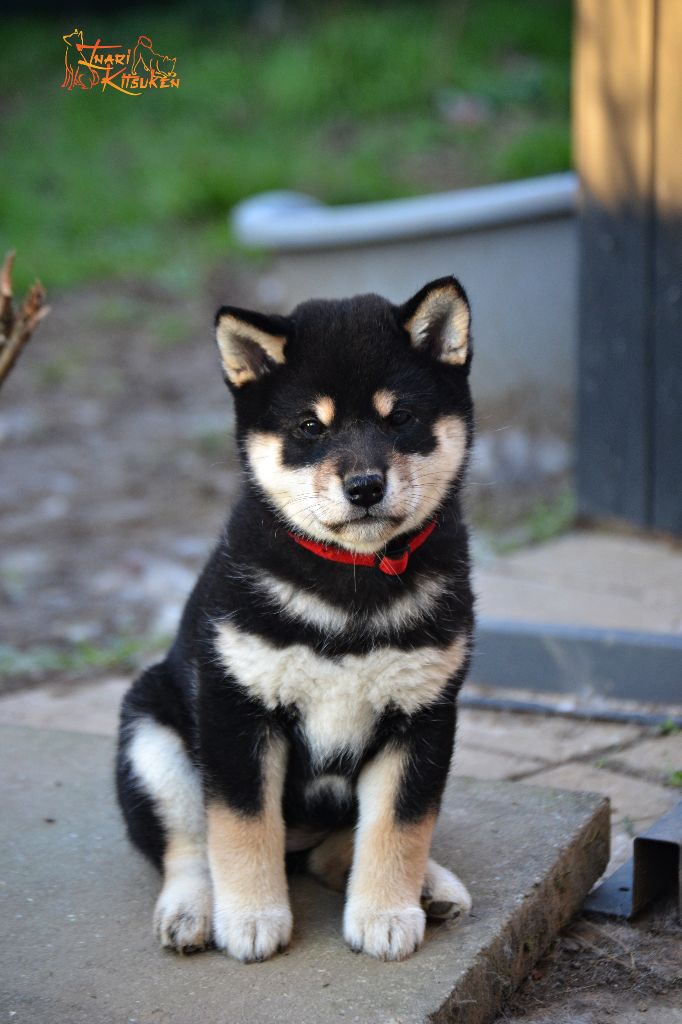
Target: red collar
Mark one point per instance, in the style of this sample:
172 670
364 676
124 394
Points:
392 565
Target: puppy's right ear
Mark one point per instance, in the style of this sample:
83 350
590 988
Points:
250 344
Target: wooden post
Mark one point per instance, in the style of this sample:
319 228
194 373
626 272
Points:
627 123
667 275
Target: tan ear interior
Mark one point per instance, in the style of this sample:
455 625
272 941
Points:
443 313
245 349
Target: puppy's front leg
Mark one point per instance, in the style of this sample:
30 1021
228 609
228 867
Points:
383 915
252 918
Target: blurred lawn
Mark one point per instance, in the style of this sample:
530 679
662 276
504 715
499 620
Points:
344 101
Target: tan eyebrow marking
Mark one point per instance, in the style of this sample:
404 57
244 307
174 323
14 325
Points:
324 410
384 402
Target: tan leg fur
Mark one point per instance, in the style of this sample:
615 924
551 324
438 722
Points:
383 915
252 918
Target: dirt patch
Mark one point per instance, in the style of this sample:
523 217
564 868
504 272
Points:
118 468
600 970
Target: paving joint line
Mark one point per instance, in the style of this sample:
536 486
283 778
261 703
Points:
621 768
587 758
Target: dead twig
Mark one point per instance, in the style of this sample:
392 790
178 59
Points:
610 937
17 326
604 954
603 933
6 297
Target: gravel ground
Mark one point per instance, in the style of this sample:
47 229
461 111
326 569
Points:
117 472
601 971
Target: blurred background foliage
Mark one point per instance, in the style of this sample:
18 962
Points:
346 101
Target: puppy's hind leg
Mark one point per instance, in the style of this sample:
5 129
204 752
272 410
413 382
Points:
159 772
444 895
330 862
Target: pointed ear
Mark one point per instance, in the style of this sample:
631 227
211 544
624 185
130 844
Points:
250 344
438 320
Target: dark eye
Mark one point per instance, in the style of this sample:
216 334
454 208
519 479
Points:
399 417
311 427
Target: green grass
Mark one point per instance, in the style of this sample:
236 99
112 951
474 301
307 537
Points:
550 519
343 101
75 659
542 521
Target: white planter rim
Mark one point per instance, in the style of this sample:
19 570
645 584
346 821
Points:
294 221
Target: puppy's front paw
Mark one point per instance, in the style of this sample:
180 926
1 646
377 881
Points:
182 918
252 935
387 934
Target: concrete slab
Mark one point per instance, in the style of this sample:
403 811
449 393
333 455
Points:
92 707
529 599
590 578
78 946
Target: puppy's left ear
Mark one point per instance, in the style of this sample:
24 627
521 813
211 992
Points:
438 321
250 344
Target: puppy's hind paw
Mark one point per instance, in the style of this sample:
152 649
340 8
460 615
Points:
183 924
444 895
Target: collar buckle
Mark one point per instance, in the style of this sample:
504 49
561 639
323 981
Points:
394 565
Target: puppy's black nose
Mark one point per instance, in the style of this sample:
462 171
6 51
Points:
364 490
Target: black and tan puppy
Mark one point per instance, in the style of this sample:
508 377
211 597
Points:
309 700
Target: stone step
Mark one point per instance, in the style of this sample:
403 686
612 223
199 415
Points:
78 946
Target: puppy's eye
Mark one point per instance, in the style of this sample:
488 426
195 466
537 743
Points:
399 417
311 427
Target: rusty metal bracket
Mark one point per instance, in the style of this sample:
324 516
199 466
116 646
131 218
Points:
655 868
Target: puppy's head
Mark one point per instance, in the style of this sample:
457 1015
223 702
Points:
354 417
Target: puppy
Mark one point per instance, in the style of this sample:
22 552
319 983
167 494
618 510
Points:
308 703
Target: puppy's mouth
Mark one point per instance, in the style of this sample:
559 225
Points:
366 519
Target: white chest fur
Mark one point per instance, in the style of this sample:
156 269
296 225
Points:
339 701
